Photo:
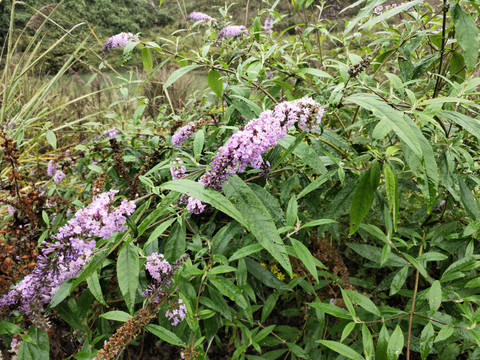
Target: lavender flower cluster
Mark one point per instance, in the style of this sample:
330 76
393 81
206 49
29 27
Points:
186 131
380 9
119 40
177 172
177 314
246 146
199 16
52 170
162 271
268 25
66 257
111 133
233 31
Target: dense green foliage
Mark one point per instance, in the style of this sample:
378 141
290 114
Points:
358 241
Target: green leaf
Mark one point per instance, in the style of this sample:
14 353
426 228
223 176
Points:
393 117
426 340
424 167
468 200
228 289
363 196
198 142
314 72
466 32
304 152
221 269
215 82
290 149
364 302
35 345
398 280
292 210
330 309
382 344
395 345
390 13
256 28
347 330
161 209
471 125
367 342
9 328
61 293
391 188
51 138
434 297
159 230
207 195
245 251
444 333
165 335
374 254
177 74
305 256
176 242
127 273
258 220
341 349
147 59
116 315
318 222
269 305
95 288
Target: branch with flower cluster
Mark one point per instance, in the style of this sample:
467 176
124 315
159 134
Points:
66 257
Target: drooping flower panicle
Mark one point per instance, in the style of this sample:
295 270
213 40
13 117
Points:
246 146
67 256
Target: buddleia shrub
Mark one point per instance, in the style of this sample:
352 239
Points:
319 199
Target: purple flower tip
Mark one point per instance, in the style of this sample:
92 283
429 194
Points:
119 40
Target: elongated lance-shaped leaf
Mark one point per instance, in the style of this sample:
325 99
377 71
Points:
209 196
127 273
466 33
363 196
391 116
391 188
258 219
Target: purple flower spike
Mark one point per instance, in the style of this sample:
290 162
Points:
177 314
52 168
268 25
247 146
67 256
119 40
177 172
199 16
59 176
233 31
112 133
